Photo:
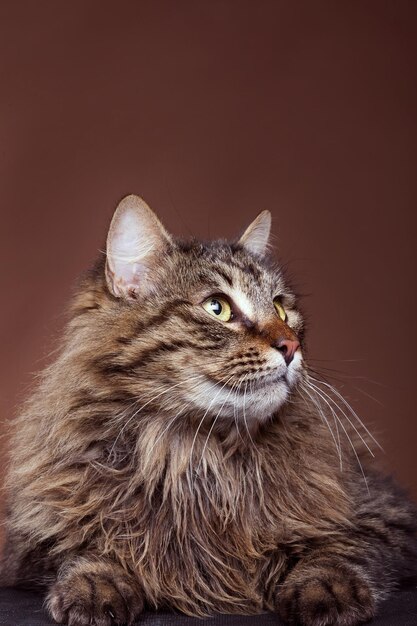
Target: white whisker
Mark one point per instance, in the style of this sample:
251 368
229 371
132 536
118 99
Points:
205 413
353 448
212 426
324 396
166 390
244 414
346 403
325 420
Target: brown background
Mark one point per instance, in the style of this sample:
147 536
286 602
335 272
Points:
213 110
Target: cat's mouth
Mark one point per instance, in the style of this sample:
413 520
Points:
255 396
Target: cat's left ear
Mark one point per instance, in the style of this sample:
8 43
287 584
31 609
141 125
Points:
256 236
136 237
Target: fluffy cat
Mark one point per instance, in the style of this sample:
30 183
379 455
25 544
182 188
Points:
178 453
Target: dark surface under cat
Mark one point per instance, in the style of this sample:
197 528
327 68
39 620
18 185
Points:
22 608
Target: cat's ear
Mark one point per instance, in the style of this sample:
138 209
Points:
135 237
256 236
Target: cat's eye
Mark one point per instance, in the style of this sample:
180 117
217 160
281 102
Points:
280 309
219 307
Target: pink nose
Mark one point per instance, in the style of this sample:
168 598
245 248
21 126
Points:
288 348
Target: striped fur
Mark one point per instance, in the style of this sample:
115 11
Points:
129 483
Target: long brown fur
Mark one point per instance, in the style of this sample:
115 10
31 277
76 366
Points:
120 491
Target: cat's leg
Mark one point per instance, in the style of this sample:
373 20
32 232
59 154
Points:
324 590
342 581
93 591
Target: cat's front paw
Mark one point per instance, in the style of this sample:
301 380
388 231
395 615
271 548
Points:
93 594
325 594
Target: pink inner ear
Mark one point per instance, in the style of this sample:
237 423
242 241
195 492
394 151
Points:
127 278
135 234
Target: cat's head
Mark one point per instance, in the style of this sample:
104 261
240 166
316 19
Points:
199 327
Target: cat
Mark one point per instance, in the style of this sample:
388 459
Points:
180 454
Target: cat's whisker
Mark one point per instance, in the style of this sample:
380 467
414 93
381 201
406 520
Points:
356 455
336 421
325 421
348 406
204 415
250 391
235 416
326 397
353 412
166 390
348 380
334 415
164 387
170 422
116 418
236 408
212 427
354 450
173 420
244 414
345 376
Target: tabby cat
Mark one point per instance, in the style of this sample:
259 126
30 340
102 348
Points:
180 454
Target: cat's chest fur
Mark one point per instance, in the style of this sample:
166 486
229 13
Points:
216 528
231 520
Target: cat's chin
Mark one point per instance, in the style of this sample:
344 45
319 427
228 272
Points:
253 401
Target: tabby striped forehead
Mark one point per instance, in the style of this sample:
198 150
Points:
250 282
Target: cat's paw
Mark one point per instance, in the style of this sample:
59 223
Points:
90 594
325 594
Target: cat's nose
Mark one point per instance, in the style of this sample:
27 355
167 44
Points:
288 348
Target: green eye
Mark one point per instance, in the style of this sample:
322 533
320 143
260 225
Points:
219 307
280 310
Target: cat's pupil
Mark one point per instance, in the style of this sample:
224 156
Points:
216 307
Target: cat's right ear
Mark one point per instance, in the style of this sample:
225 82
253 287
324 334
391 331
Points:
256 236
135 237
